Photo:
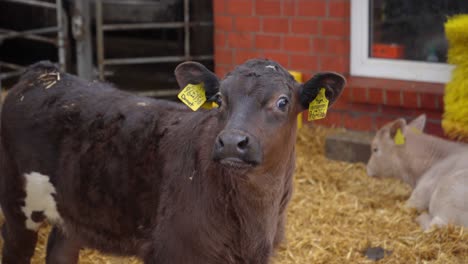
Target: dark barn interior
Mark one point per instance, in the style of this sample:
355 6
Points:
135 43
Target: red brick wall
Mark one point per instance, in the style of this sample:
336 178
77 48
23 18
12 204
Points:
311 36
303 35
368 103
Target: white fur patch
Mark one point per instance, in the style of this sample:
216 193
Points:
271 67
142 104
39 198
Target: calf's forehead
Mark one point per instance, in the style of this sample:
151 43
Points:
261 86
261 80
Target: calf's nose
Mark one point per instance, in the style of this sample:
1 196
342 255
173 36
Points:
236 142
236 146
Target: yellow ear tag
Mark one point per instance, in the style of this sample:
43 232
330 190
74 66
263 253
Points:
193 95
415 130
318 107
208 105
399 138
298 77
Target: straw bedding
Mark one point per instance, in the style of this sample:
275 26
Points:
337 212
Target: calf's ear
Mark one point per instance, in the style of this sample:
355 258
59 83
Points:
191 72
399 124
419 122
332 82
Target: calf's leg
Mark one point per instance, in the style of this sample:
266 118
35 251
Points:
424 220
61 249
18 243
19 240
419 199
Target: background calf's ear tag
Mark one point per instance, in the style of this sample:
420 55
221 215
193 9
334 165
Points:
415 130
318 107
193 95
399 138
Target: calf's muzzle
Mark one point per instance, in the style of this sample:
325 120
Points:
237 148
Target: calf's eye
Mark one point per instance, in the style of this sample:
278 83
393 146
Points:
282 103
375 149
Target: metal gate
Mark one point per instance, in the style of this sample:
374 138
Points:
36 34
186 24
82 19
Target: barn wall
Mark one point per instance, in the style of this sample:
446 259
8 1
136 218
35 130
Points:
311 36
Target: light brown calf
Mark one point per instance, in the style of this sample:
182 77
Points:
436 169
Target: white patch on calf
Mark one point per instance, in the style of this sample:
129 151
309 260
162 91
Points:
142 104
39 198
271 67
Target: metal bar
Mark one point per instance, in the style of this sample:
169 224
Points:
159 93
60 36
14 34
12 74
186 29
114 27
33 3
131 2
17 70
100 39
52 41
144 60
110 27
10 65
82 33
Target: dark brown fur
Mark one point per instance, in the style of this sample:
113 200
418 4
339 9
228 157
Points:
140 179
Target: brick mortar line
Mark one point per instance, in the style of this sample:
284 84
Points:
400 99
418 100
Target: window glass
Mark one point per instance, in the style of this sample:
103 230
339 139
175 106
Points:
411 29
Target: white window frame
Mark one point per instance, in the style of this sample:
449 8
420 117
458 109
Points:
363 65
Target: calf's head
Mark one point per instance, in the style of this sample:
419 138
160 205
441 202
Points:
258 105
389 149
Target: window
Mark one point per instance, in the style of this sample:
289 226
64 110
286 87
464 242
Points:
402 39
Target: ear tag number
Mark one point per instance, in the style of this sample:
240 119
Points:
399 138
318 107
193 95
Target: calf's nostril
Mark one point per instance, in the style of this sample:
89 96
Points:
243 142
220 142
